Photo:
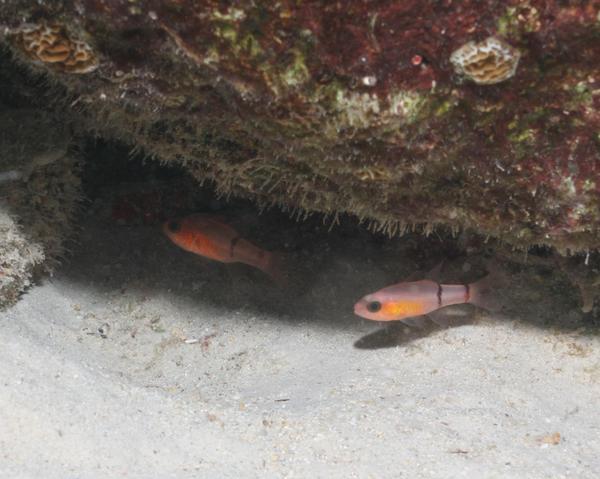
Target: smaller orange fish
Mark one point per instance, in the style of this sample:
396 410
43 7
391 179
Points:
208 236
407 300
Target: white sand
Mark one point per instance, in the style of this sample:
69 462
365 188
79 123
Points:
270 394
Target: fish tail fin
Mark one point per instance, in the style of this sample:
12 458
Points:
487 293
276 268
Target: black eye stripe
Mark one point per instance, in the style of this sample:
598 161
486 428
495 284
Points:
373 306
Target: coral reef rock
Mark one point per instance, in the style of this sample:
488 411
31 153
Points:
362 107
30 139
39 195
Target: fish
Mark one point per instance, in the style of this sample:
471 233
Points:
209 236
411 299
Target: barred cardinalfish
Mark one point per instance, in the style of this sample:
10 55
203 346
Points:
418 298
208 236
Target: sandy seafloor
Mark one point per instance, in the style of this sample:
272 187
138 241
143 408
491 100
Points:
139 360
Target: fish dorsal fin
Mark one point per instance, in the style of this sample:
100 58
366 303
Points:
218 218
433 274
209 219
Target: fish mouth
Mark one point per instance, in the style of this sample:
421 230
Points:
360 309
165 230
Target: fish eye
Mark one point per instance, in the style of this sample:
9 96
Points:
174 226
373 306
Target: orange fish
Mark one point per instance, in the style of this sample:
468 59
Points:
208 236
417 298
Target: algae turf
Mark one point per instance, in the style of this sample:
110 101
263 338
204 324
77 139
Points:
355 110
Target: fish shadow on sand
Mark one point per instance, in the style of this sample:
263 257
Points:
399 333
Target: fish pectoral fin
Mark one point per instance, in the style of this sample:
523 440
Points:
455 315
418 322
